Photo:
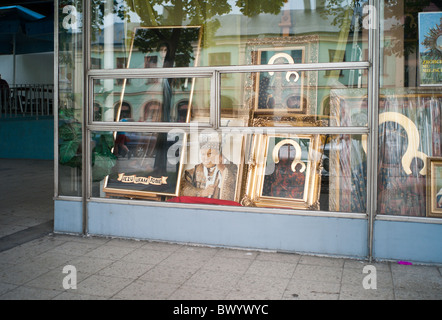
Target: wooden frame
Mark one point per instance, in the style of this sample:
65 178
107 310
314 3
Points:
434 187
226 172
282 93
274 182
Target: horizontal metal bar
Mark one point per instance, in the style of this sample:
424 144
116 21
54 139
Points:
208 71
408 219
192 127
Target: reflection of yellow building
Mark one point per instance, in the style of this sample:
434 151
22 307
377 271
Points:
229 44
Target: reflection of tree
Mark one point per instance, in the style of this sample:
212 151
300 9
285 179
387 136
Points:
192 12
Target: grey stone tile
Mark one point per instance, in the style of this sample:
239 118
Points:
76 248
267 287
360 264
29 293
5 287
146 256
165 273
146 290
161 246
280 257
355 276
72 295
318 273
125 269
321 261
213 279
110 252
225 264
102 286
22 273
268 268
311 290
89 265
237 253
53 280
427 280
127 243
406 294
357 292
198 293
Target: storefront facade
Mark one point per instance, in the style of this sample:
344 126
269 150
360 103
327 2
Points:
311 127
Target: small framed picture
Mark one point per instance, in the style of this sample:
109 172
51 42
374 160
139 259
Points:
151 168
213 167
285 171
434 187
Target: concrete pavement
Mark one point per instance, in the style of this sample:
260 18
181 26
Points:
37 264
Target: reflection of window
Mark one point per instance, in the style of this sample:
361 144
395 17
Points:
121 64
126 112
152 112
151 61
96 64
97 112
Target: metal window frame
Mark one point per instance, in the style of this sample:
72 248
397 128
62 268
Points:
372 65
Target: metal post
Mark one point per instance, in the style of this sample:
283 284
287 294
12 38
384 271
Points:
373 99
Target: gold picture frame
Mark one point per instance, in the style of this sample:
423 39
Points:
434 187
214 166
282 93
277 177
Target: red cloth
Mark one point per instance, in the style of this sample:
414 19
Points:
184 199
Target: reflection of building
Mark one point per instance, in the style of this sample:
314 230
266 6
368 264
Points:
366 190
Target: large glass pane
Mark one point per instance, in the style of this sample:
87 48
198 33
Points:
152 99
410 109
215 33
269 170
302 98
70 97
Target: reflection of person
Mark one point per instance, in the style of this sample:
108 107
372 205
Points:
121 141
439 199
212 178
284 182
4 93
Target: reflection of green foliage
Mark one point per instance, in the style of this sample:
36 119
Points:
179 41
70 140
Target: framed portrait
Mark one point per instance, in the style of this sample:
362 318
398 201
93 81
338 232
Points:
434 187
148 169
285 171
161 47
214 166
292 92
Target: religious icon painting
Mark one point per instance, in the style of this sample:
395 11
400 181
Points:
434 187
283 92
285 171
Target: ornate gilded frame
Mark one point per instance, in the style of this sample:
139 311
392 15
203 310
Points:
434 187
264 159
284 49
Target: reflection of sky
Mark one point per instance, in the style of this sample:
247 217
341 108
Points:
427 20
